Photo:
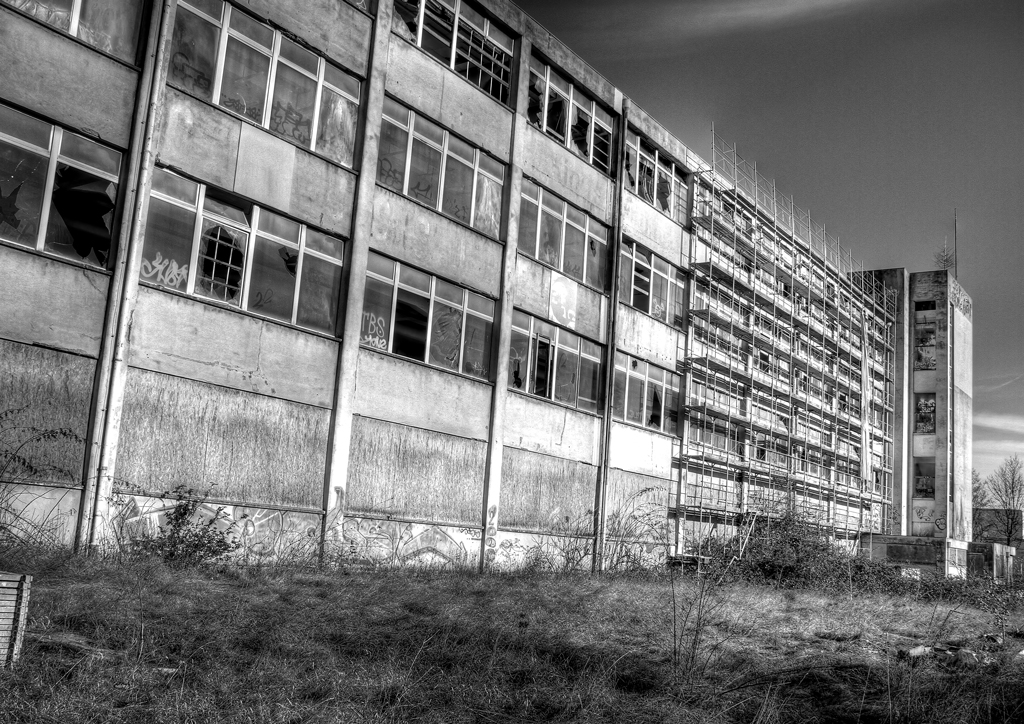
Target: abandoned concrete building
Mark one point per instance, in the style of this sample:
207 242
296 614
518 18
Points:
410 278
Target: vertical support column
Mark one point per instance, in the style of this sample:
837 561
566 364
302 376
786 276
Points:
340 435
496 424
112 364
601 493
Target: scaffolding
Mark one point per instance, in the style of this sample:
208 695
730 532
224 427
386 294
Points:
789 366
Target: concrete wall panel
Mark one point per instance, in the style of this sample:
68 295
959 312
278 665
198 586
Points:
640 451
50 390
187 338
415 79
50 303
651 228
198 139
533 291
62 79
572 178
543 427
407 472
334 28
226 152
404 229
559 54
533 286
546 494
455 405
647 338
44 516
243 447
637 506
924 446
378 542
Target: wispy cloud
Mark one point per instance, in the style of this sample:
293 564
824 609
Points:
997 382
1005 423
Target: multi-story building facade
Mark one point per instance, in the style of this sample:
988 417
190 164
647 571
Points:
411 278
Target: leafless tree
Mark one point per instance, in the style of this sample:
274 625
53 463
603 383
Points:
980 498
1006 485
945 258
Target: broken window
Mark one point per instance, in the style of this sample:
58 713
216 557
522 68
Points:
483 52
420 159
562 236
220 54
72 216
652 285
203 241
655 178
567 114
108 25
924 346
554 363
416 315
924 478
924 413
645 395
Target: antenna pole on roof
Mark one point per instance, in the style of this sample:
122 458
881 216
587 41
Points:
955 260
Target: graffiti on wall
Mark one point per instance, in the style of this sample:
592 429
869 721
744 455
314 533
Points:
395 543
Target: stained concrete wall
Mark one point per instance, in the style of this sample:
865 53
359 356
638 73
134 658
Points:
584 310
64 80
223 150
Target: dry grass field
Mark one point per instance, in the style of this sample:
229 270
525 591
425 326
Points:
136 641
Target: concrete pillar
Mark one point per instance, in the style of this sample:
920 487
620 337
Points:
340 435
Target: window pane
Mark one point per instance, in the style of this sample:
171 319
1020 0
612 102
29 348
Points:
174 186
54 12
619 395
291 114
299 56
528 228
391 161
518 354
481 61
487 215
641 287
550 239
221 258
81 218
111 26
24 127
654 400
272 280
581 131
257 32
22 178
477 353
379 265
535 105
646 180
416 279
193 54
411 314
318 294
602 148
565 376
575 248
329 245
424 172
590 385
481 305
168 244
557 115
408 11
631 169
376 327
597 263
659 297
438 26
664 190
341 80
336 132
279 226
458 190
635 400
445 336
540 379
244 84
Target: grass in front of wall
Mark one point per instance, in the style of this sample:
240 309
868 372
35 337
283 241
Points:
135 641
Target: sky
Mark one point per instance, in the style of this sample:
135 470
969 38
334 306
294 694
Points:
880 117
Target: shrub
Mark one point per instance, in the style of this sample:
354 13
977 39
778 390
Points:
189 538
